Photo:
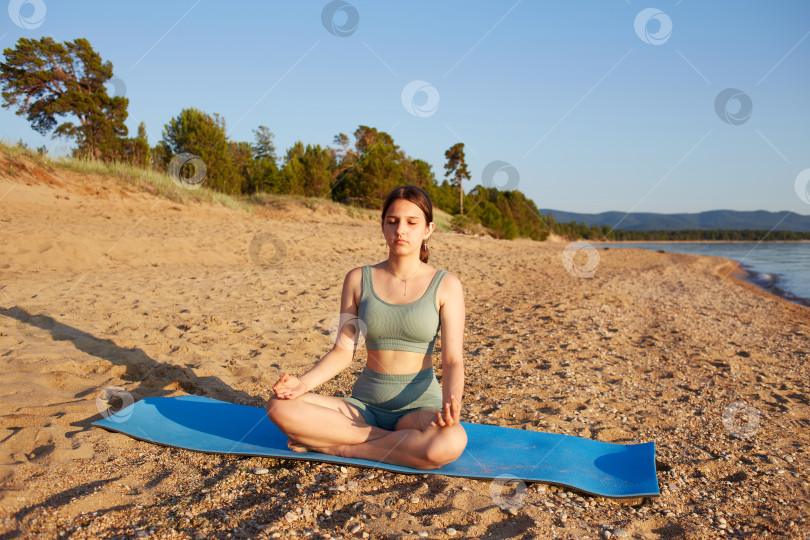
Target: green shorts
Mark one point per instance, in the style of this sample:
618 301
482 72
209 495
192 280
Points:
384 398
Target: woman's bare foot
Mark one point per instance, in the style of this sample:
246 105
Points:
296 446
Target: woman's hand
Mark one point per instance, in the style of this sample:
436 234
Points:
450 415
289 387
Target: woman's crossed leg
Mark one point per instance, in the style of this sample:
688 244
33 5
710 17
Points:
330 425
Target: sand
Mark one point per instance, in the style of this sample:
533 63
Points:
104 286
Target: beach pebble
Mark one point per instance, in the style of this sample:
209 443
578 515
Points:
344 470
356 528
414 500
620 533
261 470
450 531
422 534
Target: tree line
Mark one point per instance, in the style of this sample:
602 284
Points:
61 89
603 233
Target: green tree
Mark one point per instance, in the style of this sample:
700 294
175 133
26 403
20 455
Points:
343 159
292 173
418 173
241 154
444 196
306 170
140 154
263 174
263 148
195 132
46 80
369 173
457 169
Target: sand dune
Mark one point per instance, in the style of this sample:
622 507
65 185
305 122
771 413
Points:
105 287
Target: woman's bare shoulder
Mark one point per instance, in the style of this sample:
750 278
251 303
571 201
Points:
354 276
450 289
353 285
451 281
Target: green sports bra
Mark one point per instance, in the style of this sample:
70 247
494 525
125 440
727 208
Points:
400 327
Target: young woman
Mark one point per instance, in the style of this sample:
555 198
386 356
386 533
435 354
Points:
397 413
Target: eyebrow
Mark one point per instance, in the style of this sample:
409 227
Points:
410 217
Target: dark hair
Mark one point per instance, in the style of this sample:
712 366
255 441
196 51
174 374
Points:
417 196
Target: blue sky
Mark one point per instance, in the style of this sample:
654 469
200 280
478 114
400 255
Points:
597 105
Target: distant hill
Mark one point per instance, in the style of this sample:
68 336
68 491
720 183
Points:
711 220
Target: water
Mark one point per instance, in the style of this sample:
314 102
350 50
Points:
780 267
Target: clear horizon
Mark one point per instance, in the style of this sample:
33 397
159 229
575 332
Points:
675 213
585 107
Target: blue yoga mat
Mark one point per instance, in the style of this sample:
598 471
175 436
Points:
208 425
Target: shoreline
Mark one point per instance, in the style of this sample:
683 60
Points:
772 286
700 241
747 273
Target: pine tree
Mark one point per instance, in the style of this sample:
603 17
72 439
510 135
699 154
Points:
457 168
45 80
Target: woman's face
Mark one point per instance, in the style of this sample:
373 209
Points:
404 227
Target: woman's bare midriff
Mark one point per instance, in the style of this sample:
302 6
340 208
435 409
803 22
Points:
398 362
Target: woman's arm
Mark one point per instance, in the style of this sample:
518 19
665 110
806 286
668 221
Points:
452 316
342 353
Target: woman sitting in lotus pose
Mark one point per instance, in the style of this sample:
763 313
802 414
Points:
397 412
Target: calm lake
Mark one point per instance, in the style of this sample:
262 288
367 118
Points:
780 267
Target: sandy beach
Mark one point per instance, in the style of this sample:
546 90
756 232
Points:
134 291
